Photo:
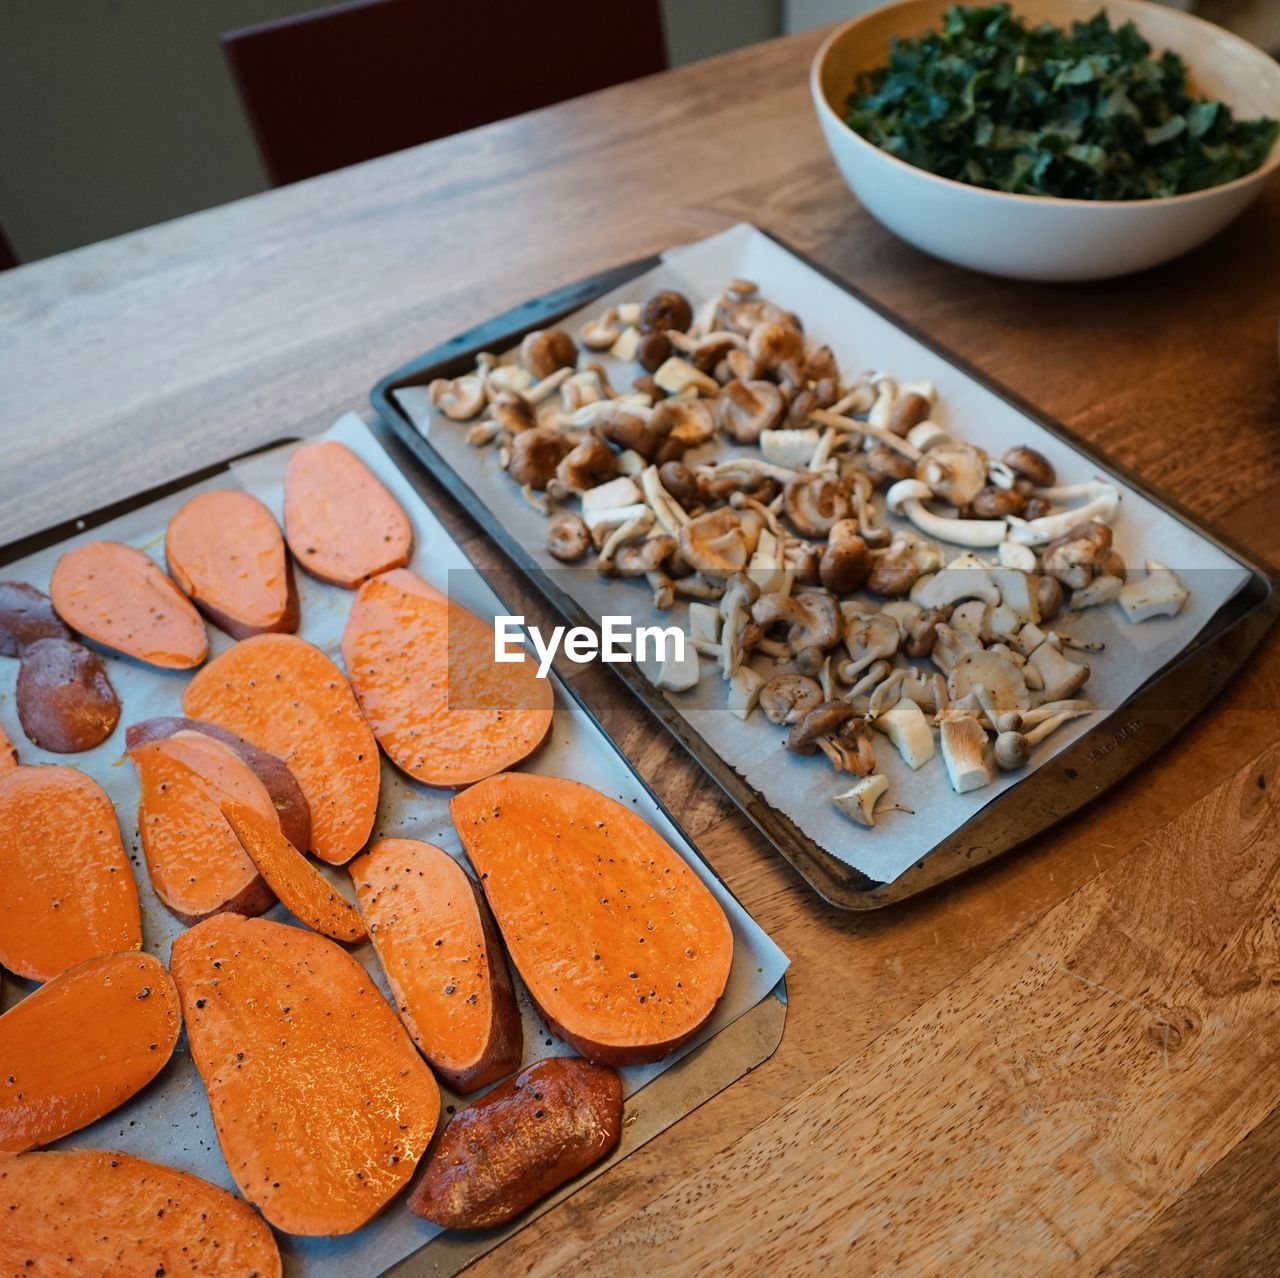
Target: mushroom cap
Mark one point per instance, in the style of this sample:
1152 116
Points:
954 472
787 698
845 565
568 537
1030 465
666 310
535 454
775 341
906 490
547 349
646 557
747 409
459 398
998 676
823 720
814 503
587 464
720 542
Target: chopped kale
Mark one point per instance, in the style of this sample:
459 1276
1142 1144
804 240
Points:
1086 115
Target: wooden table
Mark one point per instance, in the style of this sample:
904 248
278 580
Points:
1066 1063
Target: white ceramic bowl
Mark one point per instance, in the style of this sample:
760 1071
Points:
1035 237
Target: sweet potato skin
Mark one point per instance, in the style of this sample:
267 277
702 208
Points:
340 521
120 598
286 697
71 1213
281 784
440 949
424 673
301 888
26 614
66 703
8 753
322 1105
195 861
620 944
66 889
83 1044
226 553
519 1142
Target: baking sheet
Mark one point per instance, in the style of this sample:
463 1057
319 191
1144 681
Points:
801 788
170 1121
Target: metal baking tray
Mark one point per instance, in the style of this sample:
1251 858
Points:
723 1059
1116 745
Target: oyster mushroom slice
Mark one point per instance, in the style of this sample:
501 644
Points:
907 498
964 752
965 577
1158 594
858 802
1001 682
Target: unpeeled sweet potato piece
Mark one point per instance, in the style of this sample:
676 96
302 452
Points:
341 523
226 554
120 598
65 701
26 614
286 794
620 943
443 958
519 1142
302 889
322 1105
423 669
196 863
284 695
70 1213
83 1044
66 890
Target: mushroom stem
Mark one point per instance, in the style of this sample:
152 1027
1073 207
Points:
878 433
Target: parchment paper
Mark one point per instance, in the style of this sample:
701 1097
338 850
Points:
801 787
169 1121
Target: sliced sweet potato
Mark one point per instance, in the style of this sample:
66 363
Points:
226 554
322 1105
69 1213
443 958
341 523
302 889
196 863
8 753
65 701
120 598
66 890
621 945
83 1044
26 614
519 1142
422 667
288 698
286 794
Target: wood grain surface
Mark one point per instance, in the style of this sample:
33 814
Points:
1068 1061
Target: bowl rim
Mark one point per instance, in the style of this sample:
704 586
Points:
1219 35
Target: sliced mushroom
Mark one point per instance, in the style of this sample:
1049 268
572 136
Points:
965 577
1000 680
787 698
601 333
460 398
535 455
1078 555
720 542
905 725
622 491
964 751
815 503
1061 678
776 342
869 638
858 802
586 465
1158 594
681 425
513 412
677 375
748 408
812 619
956 473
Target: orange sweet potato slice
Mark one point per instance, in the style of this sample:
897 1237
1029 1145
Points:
302 889
443 958
519 1142
83 1044
322 1105
196 863
226 553
286 697
621 945
286 794
422 667
119 597
340 521
87 1211
66 890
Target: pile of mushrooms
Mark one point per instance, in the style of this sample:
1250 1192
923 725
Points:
740 472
